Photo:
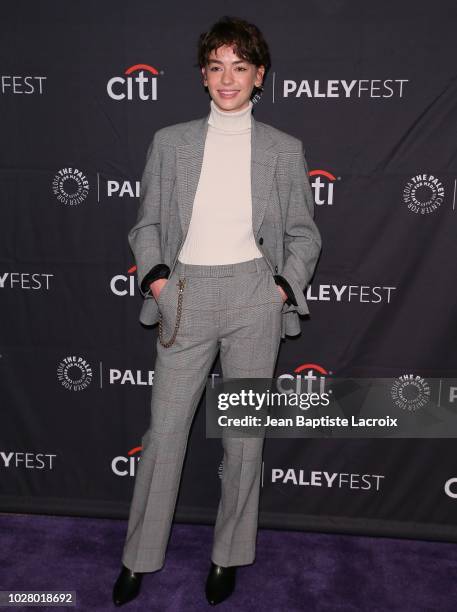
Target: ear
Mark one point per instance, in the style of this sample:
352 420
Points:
203 70
259 75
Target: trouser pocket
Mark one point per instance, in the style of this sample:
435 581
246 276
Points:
273 289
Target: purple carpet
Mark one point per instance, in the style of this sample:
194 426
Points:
293 570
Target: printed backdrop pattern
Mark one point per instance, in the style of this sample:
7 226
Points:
371 90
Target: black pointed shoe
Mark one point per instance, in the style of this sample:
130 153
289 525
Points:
220 583
127 586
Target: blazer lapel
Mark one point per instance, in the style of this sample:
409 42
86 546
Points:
189 161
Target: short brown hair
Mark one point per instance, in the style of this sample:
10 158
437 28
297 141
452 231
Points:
246 38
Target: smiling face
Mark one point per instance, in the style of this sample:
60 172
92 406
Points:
230 79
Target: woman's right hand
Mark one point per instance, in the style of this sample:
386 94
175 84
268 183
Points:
157 286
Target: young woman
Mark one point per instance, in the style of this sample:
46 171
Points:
224 244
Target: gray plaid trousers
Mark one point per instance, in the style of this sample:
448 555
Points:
234 308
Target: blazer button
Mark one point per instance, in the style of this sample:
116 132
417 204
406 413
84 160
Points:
260 240
276 268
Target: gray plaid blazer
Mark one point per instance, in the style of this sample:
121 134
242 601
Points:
282 209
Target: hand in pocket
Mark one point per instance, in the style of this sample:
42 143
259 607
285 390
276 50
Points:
157 287
282 292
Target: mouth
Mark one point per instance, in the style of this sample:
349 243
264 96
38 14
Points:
228 93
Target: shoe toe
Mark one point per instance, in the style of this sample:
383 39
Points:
220 583
126 587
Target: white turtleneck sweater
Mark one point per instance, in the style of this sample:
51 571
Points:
220 229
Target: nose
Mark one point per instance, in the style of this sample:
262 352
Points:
227 78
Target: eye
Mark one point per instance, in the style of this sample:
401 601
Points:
242 69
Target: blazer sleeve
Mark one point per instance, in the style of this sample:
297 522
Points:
144 237
302 239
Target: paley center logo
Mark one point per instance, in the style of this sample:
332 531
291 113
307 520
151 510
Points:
139 82
74 373
410 392
423 194
70 186
450 487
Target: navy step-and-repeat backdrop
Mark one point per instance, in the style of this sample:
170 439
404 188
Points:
371 89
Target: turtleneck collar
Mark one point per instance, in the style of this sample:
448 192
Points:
230 121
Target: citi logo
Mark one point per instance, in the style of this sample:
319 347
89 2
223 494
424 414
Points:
322 184
307 378
124 284
126 465
138 83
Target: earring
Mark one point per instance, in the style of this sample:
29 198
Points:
258 94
